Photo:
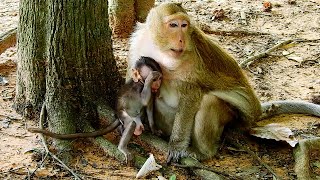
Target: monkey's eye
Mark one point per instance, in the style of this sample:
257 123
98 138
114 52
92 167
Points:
173 24
184 25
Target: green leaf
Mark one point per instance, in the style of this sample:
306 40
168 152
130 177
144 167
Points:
173 177
316 164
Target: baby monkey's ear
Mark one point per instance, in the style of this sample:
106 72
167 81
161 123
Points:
136 77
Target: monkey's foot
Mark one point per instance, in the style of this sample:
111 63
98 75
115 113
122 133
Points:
129 159
156 132
175 155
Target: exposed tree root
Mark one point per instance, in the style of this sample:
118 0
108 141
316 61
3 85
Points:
197 167
200 166
107 146
8 39
42 117
301 155
106 112
245 63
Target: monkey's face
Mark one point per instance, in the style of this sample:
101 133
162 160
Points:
174 35
176 30
156 85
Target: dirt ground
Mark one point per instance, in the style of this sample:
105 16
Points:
276 77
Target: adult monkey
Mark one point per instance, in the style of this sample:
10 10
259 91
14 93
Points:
203 87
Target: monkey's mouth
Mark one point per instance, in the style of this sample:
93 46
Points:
176 52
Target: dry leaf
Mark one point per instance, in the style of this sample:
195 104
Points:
285 53
267 6
292 2
294 57
276 132
45 172
219 14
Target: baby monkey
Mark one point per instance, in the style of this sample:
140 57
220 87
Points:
136 96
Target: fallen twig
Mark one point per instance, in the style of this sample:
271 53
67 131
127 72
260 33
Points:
264 54
302 159
307 40
239 146
234 32
248 61
42 117
39 165
205 28
8 39
200 166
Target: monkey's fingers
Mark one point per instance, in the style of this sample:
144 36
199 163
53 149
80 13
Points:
175 155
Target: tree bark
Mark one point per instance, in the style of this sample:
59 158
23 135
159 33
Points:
66 61
122 17
124 14
142 8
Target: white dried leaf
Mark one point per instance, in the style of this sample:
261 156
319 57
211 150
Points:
149 166
161 178
276 132
285 53
295 58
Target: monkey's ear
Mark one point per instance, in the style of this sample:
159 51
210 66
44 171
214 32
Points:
136 75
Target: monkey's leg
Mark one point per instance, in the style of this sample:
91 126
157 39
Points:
125 138
209 123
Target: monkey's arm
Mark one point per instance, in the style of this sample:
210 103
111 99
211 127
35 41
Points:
149 110
184 121
124 141
146 91
100 132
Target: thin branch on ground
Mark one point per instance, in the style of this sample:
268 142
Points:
8 39
39 165
244 63
205 28
239 146
209 169
307 40
43 139
302 157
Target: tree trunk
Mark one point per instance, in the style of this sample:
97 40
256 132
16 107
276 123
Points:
124 13
122 17
142 8
66 61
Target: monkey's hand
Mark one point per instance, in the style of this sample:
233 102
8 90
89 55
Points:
153 76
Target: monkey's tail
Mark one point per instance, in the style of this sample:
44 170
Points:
100 132
273 108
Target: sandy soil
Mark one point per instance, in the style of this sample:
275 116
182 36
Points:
275 77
